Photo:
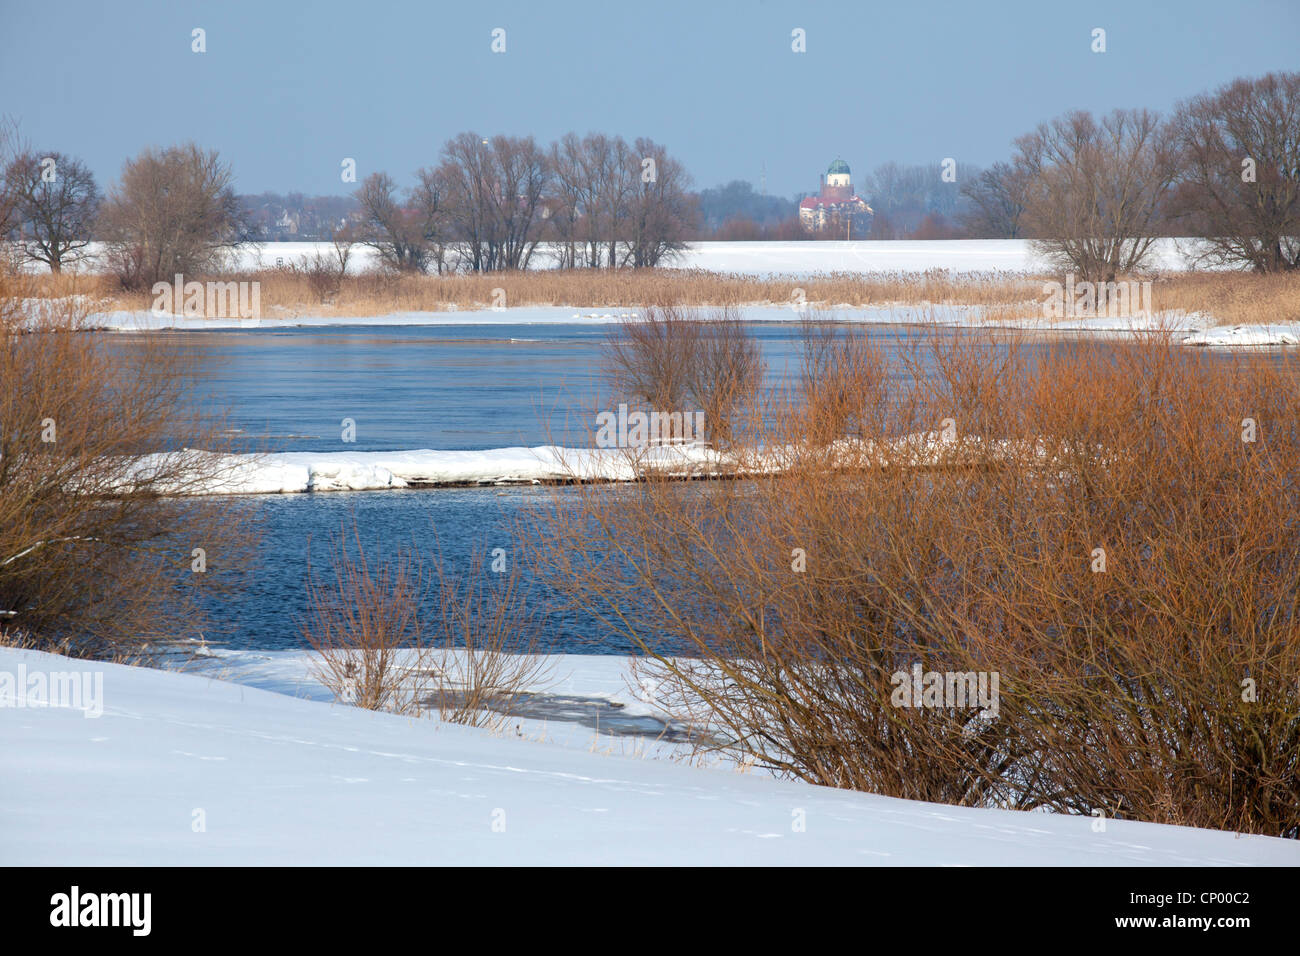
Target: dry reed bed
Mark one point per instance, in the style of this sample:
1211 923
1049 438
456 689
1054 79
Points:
1230 297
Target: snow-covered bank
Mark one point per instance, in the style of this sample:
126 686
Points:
293 472
892 255
945 315
762 258
296 472
1247 336
780 258
182 769
146 321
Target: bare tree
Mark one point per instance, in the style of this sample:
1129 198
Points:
1094 191
343 239
569 190
616 170
521 178
57 202
1239 175
660 211
395 232
494 192
464 169
596 176
997 198
11 147
174 211
428 200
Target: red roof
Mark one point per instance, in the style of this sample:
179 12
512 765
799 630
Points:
812 202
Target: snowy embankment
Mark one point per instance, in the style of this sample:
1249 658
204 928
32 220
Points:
1189 328
1247 336
293 472
183 769
756 258
946 315
297 472
745 258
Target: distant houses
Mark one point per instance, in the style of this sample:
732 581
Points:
836 208
275 217
288 223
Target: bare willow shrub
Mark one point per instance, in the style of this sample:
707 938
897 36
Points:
1157 678
364 625
483 646
323 273
648 358
1106 530
725 372
107 545
842 377
679 361
379 644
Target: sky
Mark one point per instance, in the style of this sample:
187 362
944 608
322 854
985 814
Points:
286 91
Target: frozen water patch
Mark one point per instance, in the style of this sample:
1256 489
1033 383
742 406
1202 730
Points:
601 714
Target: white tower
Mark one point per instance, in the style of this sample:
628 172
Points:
838 174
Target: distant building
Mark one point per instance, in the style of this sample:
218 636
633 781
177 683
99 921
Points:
287 223
836 207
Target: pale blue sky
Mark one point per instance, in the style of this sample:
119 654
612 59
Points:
287 90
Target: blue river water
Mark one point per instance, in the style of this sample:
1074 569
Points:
405 387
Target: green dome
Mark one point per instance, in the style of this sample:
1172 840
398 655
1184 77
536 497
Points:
839 166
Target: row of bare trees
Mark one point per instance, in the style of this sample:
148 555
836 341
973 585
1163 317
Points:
488 204
173 210
1093 193
484 207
